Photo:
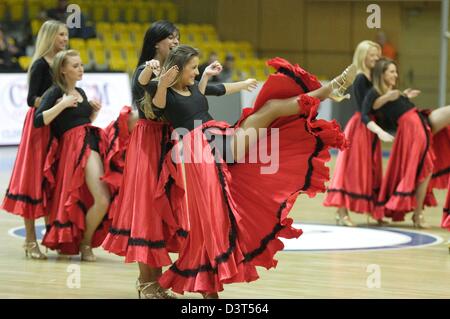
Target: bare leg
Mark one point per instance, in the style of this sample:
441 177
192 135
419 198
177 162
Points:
30 230
439 118
421 192
100 193
132 119
276 108
147 273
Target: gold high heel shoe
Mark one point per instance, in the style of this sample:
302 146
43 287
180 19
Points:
32 250
419 222
86 253
152 290
344 221
341 83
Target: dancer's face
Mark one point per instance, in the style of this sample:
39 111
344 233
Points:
190 71
61 40
164 47
73 69
390 75
373 55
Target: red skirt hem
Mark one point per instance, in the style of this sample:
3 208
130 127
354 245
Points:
26 194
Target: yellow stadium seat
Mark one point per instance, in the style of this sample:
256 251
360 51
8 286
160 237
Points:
77 44
99 59
35 26
102 28
146 12
16 12
50 3
99 12
84 55
129 12
94 44
117 63
2 11
34 9
24 62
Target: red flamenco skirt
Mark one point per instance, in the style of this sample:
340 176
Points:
71 197
412 160
446 216
139 230
237 213
26 195
358 172
118 136
441 147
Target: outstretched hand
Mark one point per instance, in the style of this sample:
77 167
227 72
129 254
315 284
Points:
250 84
410 93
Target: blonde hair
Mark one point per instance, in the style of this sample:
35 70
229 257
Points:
45 40
361 51
145 104
377 74
59 62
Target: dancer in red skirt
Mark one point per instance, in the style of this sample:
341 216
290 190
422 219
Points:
26 195
235 214
80 199
358 172
137 230
405 184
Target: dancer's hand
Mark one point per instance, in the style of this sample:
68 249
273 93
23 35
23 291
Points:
167 78
410 93
154 65
250 84
213 69
385 137
96 106
393 95
69 101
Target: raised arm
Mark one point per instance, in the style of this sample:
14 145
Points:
211 70
151 69
166 80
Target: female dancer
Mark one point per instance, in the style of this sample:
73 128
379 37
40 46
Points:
358 170
404 187
26 195
138 231
80 199
234 213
